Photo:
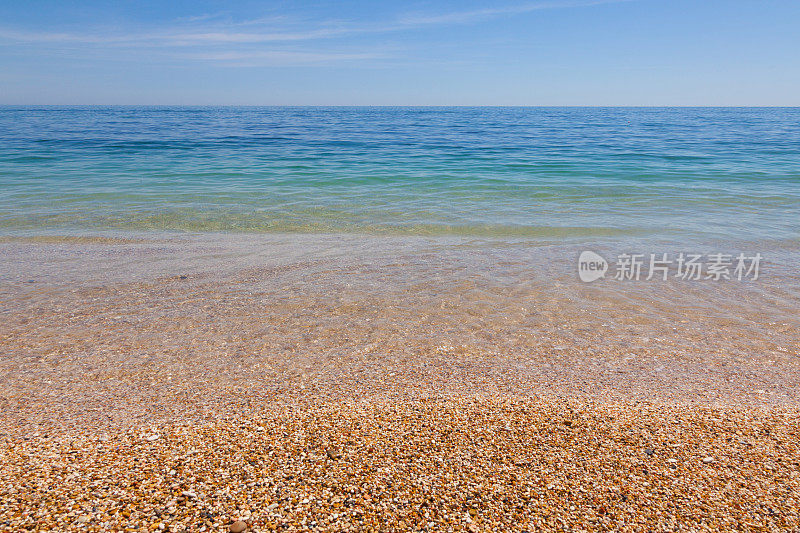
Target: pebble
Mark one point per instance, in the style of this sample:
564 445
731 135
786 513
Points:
333 454
426 464
238 527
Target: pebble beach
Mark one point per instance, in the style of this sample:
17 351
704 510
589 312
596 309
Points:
457 464
343 395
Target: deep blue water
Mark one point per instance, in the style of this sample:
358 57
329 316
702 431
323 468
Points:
680 173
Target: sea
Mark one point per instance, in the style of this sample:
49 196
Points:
544 173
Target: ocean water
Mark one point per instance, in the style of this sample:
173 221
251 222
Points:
551 174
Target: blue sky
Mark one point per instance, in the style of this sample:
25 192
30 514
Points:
508 52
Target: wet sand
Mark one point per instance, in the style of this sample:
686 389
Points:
458 385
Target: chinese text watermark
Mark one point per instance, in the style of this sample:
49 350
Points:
682 266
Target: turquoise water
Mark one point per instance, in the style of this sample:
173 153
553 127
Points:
678 173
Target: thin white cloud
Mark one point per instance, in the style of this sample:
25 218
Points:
219 33
218 40
55 37
464 17
252 37
284 57
204 17
175 37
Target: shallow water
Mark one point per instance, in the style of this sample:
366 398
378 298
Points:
112 321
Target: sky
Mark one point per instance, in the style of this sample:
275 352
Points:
355 52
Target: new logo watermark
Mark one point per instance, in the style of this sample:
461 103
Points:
591 266
683 266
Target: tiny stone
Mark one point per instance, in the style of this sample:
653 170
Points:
650 451
708 459
237 527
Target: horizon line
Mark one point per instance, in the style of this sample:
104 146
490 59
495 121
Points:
622 106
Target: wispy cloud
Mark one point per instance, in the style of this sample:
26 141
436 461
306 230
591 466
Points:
280 57
251 37
175 37
464 17
217 38
59 37
204 17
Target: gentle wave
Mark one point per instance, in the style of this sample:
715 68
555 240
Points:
539 172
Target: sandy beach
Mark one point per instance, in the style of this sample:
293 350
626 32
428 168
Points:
188 385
